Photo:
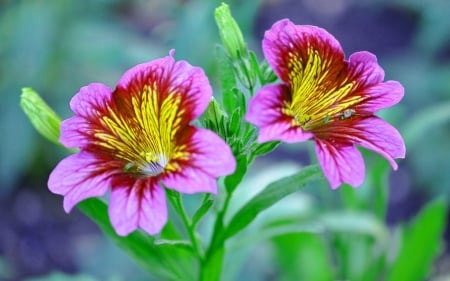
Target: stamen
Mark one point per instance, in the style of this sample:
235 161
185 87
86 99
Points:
154 168
147 168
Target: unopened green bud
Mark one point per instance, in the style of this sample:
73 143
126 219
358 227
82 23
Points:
43 118
268 75
214 111
230 34
214 117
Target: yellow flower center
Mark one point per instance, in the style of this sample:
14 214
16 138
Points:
320 91
141 130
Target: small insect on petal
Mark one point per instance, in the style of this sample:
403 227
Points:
346 114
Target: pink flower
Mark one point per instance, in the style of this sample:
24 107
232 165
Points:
138 139
326 98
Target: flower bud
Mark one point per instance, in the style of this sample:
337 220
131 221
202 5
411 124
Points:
214 115
43 118
230 34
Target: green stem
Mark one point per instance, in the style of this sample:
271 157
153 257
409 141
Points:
218 238
211 267
179 206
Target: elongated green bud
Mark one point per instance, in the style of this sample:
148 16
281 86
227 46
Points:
230 33
214 112
215 118
43 118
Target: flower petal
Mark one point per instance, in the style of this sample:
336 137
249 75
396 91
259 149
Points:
370 132
375 134
211 153
80 176
363 67
89 105
380 96
209 157
368 74
137 203
288 49
169 77
191 180
91 100
340 163
265 110
74 132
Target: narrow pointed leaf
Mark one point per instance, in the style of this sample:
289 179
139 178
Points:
202 210
422 242
265 148
270 195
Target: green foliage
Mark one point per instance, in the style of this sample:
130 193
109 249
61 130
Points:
303 256
212 266
232 181
167 260
203 209
273 193
420 243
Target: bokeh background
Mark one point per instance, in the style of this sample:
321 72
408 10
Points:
57 46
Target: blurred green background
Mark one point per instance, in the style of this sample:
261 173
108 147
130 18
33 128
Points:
58 46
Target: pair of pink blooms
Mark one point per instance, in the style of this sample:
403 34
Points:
138 139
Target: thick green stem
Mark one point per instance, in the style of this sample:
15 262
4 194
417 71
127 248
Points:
211 268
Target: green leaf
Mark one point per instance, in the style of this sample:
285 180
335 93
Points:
233 180
240 96
160 261
350 198
204 207
268 75
254 66
265 147
303 256
422 241
214 116
271 194
357 240
379 176
234 125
